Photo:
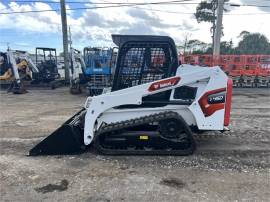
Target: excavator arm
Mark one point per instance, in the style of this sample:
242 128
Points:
77 66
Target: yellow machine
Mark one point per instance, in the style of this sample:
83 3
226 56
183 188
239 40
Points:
12 73
6 72
7 75
24 69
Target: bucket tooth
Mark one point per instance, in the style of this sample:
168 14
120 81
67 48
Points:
68 139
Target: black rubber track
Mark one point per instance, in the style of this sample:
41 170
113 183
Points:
163 116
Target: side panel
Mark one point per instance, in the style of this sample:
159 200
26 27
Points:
126 114
212 101
210 116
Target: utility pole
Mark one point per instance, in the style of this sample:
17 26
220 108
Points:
185 45
65 38
218 29
70 44
187 35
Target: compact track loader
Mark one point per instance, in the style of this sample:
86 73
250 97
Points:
153 108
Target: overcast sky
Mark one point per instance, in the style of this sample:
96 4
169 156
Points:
94 27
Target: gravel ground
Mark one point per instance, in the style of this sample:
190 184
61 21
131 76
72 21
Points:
231 166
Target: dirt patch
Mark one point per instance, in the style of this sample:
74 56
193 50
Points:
173 182
229 166
53 187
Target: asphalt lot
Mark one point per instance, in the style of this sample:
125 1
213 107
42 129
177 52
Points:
231 166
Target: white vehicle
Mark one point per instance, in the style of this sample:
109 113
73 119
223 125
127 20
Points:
77 66
154 107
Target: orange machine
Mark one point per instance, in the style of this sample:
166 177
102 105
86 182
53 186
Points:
245 70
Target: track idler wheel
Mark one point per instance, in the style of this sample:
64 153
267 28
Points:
176 130
170 129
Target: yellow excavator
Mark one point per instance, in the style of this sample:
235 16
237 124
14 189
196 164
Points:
17 67
12 72
22 68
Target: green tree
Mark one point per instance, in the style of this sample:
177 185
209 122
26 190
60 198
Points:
206 12
253 43
193 46
250 43
196 46
226 47
243 33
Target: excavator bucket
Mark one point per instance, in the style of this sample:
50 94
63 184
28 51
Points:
68 139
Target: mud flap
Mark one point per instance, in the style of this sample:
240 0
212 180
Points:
68 139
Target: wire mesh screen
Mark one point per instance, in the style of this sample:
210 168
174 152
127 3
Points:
143 63
157 69
131 67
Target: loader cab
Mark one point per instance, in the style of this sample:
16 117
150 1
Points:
142 59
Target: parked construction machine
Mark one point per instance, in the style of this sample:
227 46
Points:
14 70
99 69
94 70
46 63
154 107
77 68
18 69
